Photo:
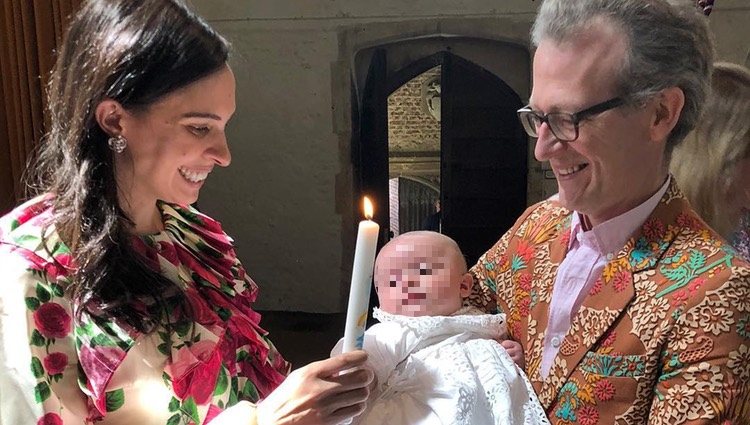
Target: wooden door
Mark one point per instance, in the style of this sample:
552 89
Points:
484 155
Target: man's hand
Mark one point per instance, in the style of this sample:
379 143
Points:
515 350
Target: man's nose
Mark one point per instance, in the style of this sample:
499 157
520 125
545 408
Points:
547 145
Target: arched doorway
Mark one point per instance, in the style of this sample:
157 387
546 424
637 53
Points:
412 204
483 149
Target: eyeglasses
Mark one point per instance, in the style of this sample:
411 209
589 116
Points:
564 126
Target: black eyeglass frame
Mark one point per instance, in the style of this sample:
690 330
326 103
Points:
575 118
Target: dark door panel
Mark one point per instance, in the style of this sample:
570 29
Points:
484 156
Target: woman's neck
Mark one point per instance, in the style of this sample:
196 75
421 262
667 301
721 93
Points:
144 214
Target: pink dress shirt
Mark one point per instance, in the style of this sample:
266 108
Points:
588 253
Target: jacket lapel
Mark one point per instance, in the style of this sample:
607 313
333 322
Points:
551 235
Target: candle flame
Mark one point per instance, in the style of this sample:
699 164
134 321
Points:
368 208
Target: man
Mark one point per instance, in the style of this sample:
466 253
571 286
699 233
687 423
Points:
630 309
432 222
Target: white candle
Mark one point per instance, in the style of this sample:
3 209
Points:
359 294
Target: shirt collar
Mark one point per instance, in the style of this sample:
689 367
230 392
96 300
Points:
609 237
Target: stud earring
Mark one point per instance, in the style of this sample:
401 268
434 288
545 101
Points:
117 143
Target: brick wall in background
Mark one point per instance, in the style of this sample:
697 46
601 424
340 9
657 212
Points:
410 127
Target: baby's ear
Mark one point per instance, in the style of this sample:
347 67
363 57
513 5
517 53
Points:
467 281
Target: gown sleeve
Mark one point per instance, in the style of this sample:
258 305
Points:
387 345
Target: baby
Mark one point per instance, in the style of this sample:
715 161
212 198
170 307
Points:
436 361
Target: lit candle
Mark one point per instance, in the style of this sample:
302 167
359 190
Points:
359 294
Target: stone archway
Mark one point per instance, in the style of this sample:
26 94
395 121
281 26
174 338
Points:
484 152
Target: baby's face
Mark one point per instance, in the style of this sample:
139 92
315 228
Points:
415 277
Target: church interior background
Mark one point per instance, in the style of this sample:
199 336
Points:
408 102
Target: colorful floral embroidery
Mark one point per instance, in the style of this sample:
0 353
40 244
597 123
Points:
662 336
604 390
568 402
600 364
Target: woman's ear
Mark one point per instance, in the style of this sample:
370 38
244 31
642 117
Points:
467 282
109 114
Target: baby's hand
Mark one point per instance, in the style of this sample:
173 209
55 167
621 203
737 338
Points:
515 351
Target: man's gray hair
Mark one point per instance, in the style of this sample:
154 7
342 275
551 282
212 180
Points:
669 45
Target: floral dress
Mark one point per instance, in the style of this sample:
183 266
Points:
57 370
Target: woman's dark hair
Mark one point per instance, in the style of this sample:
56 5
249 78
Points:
134 52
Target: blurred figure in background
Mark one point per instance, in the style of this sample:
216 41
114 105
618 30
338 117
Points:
713 164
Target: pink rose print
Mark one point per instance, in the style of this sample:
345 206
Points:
52 320
65 260
187 259
202 313
62 265
194 371
30 212
55 363
214 226
99 364
167 251
50 419
213 411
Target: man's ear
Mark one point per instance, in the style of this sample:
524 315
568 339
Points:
669 104
109 115
467 282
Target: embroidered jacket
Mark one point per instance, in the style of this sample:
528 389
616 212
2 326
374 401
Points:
663 336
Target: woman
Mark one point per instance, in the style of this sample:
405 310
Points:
712 165
118 302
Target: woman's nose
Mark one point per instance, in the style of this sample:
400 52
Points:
219 151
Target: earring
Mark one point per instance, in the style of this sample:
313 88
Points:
706 6
117 143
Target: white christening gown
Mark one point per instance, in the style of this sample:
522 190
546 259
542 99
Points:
445 370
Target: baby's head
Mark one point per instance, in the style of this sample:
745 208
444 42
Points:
421 274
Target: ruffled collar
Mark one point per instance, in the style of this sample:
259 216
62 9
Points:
467 319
